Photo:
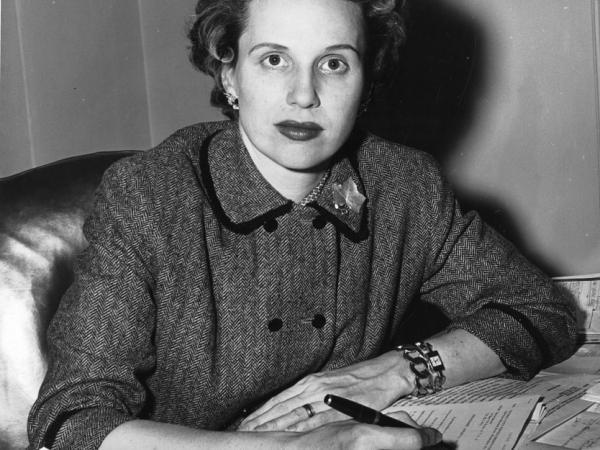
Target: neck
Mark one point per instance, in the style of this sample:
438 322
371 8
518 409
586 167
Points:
291 184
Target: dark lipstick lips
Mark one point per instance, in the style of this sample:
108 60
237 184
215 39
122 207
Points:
299 131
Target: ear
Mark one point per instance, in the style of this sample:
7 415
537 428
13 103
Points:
228 79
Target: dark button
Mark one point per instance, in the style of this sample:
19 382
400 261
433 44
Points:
318 321
270 225
319 222
244 412
275 324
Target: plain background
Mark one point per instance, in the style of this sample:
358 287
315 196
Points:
505 94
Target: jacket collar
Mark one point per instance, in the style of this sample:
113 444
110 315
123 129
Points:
243 200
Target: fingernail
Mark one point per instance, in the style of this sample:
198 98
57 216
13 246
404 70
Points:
431 436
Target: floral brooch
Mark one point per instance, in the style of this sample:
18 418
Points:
346 197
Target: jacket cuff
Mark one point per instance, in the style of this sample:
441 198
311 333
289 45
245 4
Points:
516 341
84 429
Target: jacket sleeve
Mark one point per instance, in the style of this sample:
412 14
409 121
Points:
486 287
100 340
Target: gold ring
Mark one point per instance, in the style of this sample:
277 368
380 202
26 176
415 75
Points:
309 409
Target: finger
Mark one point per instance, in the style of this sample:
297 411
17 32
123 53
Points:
274 407
405 438
322 418
375 436
263 415
286 408
305 417
430 436
276 415
403 416
283 396
280 423
308 389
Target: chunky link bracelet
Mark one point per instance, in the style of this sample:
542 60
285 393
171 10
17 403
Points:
427 366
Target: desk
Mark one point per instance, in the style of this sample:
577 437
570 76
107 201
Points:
585 360
490 414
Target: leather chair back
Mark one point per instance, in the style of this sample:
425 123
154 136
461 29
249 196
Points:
42 212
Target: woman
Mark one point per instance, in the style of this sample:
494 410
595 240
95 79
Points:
242 270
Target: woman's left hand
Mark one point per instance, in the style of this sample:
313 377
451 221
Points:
376 383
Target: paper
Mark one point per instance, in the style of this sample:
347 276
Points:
476 391
557 390
592 394
565 413
585 360
483 425
594 408
561 396
585 290
581 432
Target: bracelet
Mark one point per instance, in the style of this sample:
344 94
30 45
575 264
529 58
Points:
427 366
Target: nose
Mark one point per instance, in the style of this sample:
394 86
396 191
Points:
303 90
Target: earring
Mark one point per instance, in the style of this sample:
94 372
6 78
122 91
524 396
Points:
232 100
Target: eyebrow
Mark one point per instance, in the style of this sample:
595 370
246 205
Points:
283 47
269 45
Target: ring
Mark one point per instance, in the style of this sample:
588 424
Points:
309 409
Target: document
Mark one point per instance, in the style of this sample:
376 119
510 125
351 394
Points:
592 394
585 290
491 425
581 432
585 360
559 397
555 390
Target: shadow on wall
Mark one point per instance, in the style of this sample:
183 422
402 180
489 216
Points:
431 103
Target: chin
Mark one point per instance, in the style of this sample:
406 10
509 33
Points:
306 162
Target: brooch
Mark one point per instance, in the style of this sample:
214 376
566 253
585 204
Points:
346 197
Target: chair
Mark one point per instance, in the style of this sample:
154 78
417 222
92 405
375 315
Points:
41 216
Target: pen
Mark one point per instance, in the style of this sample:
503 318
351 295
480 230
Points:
362 413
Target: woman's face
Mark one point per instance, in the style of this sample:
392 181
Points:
299 79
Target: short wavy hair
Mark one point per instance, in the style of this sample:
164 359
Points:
216 27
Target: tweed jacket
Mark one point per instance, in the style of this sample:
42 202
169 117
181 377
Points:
203 291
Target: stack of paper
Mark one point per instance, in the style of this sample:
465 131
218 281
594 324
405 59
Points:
585 360
581 432
585 292
477 414
592 394
491 425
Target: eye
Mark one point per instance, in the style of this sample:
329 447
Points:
333 65
274 61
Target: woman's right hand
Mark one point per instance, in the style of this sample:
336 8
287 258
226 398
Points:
346 434
349 434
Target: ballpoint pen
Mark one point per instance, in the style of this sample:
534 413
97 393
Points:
362 413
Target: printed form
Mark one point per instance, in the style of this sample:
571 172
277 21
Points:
492 425
495 411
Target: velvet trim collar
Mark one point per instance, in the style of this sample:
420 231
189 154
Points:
243 200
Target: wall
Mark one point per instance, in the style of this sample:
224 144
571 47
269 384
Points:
537 149
178 95
15 150
505 94
72 80
534 145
